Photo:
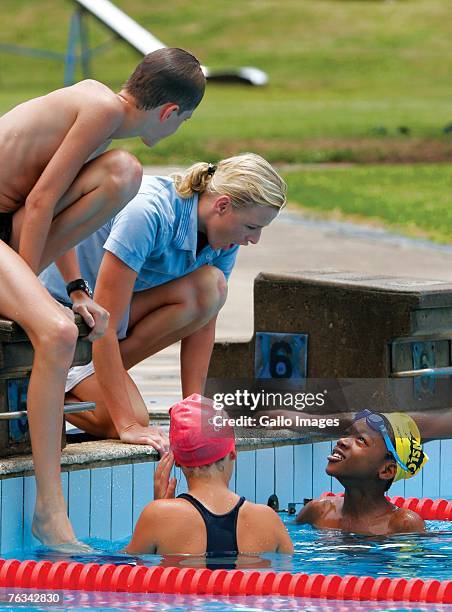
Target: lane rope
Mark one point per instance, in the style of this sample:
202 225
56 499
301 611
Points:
76 576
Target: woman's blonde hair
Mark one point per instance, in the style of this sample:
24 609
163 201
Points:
248 179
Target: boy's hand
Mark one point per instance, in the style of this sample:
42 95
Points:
93 314
164 488
137 434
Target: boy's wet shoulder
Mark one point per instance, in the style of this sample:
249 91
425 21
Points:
405 521
320 508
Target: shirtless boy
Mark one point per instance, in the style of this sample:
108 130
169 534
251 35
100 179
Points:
54 194
376 450
210 518
57 186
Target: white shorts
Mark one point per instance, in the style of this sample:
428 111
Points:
77 374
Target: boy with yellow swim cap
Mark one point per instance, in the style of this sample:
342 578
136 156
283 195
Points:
376 451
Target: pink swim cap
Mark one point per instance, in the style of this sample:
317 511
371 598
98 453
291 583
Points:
195 439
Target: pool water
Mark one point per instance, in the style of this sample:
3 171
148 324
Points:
423 556
327 552
76 600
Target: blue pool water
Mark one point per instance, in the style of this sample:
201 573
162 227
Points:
326 552
322 552
75 600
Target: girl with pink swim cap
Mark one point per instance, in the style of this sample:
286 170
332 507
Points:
210 519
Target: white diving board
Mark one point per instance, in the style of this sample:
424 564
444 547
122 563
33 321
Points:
144 42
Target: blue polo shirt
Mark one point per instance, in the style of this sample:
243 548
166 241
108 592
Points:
155 234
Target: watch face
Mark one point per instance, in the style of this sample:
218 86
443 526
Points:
87 289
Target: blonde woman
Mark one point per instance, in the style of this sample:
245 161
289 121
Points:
160 268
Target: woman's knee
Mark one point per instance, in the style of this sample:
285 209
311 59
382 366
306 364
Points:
209 291
124 174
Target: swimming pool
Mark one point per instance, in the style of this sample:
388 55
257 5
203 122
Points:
316 552
76 600
105 502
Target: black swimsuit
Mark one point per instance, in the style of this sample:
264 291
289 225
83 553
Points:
221 528
6 226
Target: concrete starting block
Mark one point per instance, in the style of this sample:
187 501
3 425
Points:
353 326
16 360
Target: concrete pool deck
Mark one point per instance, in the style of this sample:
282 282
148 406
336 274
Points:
295 242
100 475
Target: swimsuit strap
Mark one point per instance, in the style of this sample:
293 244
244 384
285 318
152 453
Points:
221 528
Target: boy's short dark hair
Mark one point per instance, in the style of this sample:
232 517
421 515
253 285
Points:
167 75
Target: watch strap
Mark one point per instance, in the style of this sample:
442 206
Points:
79 284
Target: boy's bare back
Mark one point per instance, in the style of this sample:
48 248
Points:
45 141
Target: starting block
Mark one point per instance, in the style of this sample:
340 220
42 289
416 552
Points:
16 360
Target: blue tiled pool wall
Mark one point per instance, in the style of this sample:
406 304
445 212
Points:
105 502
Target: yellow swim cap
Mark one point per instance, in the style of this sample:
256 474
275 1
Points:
407 444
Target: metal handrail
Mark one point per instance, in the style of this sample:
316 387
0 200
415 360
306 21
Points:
68 409
444 371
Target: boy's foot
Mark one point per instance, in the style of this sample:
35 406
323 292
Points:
71 548
55 531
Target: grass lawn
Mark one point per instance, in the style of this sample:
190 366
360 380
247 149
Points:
345 75
341 72
414 199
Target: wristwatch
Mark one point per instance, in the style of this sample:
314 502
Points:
79 284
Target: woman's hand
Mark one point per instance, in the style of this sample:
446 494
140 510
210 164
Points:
164 488
92 313
153 436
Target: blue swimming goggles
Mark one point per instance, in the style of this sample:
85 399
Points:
377 423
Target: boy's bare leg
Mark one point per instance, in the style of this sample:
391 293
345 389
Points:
159 317
53 335
102 188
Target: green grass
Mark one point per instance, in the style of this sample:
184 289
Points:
337 69
414 199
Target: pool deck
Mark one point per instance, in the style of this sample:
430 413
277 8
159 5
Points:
105 453
292 243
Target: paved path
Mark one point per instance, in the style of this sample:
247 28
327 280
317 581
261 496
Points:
293 243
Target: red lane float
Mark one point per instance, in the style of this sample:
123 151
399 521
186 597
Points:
428 509
139 579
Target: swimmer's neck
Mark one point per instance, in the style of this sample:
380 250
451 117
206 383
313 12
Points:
364 500
133 118
207 480
207 484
